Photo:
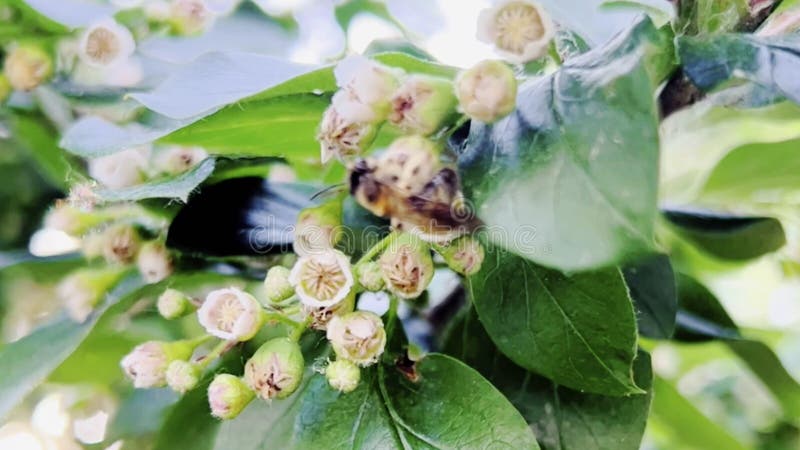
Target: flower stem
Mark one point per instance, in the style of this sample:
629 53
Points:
298 331
379 247
216 352
279 317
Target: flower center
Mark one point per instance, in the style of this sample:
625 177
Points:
229 312
518 24
102 45
404 274
323 279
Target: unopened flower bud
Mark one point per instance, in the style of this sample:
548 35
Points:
176 160
407 266
182 376
146 365
464 255
228 395
5 88
231 314
121 169
322 279
342 138
154 262
487 91
318 228
275 369
105 43
520 30
27 66
422 104
71 220
358 337
321 316
366 89
173 304
343 375
190 17
120 244
369 276
82 290
277 285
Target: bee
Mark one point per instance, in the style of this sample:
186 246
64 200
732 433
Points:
415 191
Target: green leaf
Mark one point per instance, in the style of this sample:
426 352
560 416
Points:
766 365
686 422
64 14
710 16
578 330
651 283
179 186
563 419
188 424
726 236
387 410
705 133
561 154
770 63
142 412
39 140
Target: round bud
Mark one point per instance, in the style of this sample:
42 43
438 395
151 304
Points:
173 304
121 169
407 266
318 228
120 244
105 43
422 104
342 138
322 279
231 314
146 365
176 159
182 376
276 369
464 255
487 91
343 375
370 276
27 66
228 396
366 89
277 285
154 262
358 337
520 30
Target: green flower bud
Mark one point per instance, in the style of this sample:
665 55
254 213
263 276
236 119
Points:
343 375
276 369
487 91
277 285
322 315
173 304
318 228
27 66
120 244
228 396
422 104
146 365
5 88
464 255
154 262
82 290
370 276
358 337
182 376
407 266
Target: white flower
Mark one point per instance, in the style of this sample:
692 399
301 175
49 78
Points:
341 138
154 262
175 160
231 314
121 169
487 91
366 88
190 17
422 104
323 278
407 266
520 30
147 364
105 43
120 244
358 337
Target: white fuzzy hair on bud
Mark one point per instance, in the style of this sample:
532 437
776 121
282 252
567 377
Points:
121 169
322 279
105 43
231 314
520 30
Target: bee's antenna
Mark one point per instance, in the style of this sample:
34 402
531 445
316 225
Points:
328 190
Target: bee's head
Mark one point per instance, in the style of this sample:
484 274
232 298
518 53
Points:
364 187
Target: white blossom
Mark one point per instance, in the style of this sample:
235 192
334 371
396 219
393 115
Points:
121 169
105 43
520 30
231 314
322 279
